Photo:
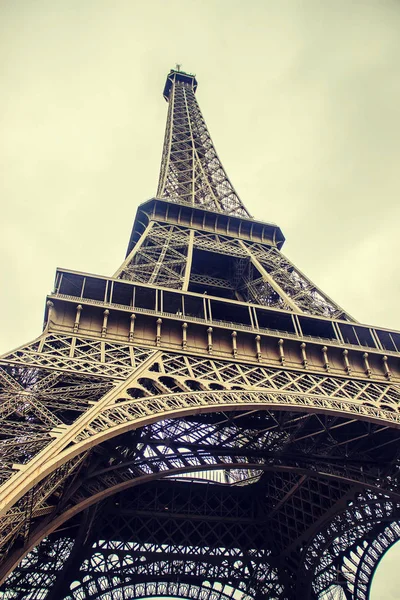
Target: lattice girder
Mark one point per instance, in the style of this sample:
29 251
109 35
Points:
369 552
191 171
346 552
272 388
141 549
166 255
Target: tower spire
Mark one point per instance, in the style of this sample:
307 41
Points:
191 172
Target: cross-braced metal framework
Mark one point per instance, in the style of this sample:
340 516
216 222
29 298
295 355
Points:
173 256
191 171
205 424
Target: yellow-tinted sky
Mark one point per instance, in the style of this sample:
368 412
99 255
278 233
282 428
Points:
302 99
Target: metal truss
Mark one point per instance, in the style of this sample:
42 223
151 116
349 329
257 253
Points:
174 536
200 543
137 462
44 387
300 290
33 580
259 273
346 552
366 556
173 383
191 171
161 258
77 354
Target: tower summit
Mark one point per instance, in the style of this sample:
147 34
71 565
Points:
206 423
177 76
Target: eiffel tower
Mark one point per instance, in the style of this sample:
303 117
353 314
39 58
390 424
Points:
204 424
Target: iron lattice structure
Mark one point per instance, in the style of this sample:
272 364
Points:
206 423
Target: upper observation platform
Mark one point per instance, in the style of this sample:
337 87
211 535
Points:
176 75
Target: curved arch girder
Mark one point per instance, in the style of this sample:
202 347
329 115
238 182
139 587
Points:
131 414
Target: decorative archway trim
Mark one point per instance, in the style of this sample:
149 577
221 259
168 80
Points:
110 418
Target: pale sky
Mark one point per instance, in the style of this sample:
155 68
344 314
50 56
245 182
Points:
302 99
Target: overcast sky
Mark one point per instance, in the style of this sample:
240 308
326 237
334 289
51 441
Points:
302 99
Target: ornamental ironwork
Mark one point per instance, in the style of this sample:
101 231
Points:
206 423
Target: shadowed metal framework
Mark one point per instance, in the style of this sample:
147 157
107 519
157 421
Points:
206 423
